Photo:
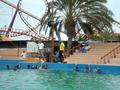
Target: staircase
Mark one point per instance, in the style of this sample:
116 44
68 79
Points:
93 56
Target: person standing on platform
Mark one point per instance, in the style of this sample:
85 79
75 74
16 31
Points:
41 49
23 55
61 51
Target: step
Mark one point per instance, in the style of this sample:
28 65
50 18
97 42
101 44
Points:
115 62
118 56
114 59
84 57
90 53
9 57
82 61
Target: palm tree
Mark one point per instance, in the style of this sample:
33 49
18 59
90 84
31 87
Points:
48 24
77 15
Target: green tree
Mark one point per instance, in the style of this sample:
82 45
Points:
106 35
77 15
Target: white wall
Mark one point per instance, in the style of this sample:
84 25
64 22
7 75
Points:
32 47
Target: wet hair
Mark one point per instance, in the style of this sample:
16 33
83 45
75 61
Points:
15 68
28 66
24 51
98 70
8 67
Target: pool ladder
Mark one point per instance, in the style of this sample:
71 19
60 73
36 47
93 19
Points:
88 68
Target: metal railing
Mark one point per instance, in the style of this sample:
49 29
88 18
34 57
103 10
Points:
112 54
71 51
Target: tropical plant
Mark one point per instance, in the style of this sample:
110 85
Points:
117 37
77 15
106 35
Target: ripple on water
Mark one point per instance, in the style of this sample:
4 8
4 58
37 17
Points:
56 80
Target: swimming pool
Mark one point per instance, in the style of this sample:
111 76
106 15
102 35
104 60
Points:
93 68
26 79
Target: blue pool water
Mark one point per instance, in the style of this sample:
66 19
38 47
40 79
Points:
56 80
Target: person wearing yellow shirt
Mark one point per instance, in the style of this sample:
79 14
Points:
61 48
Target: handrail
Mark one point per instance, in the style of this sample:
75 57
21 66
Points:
112 54
71 50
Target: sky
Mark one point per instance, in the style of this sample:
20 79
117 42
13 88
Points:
114 6
37 7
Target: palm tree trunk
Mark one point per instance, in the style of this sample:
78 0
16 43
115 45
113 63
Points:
69 45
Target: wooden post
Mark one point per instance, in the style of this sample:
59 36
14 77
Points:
52 39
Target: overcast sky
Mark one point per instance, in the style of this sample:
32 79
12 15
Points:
37 7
